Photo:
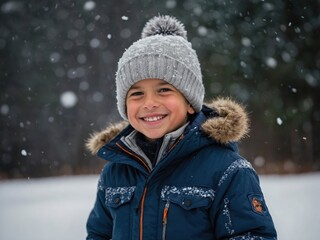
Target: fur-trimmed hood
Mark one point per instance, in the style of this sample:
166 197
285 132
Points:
232 124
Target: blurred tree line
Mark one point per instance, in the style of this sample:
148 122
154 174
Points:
58 62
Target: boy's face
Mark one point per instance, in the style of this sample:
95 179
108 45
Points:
155 107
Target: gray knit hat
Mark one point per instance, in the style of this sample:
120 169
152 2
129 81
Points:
163 52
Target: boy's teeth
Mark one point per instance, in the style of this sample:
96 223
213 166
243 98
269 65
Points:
151 119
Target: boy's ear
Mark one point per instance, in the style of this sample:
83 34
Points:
191 109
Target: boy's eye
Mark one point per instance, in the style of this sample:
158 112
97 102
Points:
135 94
164 90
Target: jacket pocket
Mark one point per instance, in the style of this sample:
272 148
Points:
118 201
183 206
188 197
115 197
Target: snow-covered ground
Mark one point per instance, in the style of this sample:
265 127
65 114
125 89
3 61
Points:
57 208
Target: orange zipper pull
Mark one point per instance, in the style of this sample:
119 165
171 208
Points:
165 219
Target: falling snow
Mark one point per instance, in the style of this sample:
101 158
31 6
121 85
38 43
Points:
55 57
4 109
89 5
246 42
271 62
124 18
279 121
95 43
259 161
12 6
24 152
68 99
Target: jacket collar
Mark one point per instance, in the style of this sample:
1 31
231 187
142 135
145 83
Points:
222 119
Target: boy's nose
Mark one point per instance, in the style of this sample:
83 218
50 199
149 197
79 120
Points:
150 102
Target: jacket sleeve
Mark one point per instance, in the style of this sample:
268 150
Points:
99 224
242 212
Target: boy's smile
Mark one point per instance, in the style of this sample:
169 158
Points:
155 107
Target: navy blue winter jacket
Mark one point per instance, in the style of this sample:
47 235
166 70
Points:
201 189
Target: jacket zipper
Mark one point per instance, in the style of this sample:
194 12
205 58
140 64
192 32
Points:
179 140
167 205
165 219
144 190
141 213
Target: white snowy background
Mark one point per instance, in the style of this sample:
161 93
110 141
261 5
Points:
57 208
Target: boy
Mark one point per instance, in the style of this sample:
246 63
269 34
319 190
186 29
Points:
174 171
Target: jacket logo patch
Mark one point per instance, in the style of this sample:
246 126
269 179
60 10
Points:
257 203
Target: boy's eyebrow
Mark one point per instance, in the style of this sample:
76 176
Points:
164 83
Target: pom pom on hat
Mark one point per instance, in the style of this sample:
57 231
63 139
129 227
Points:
164 25
164 53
